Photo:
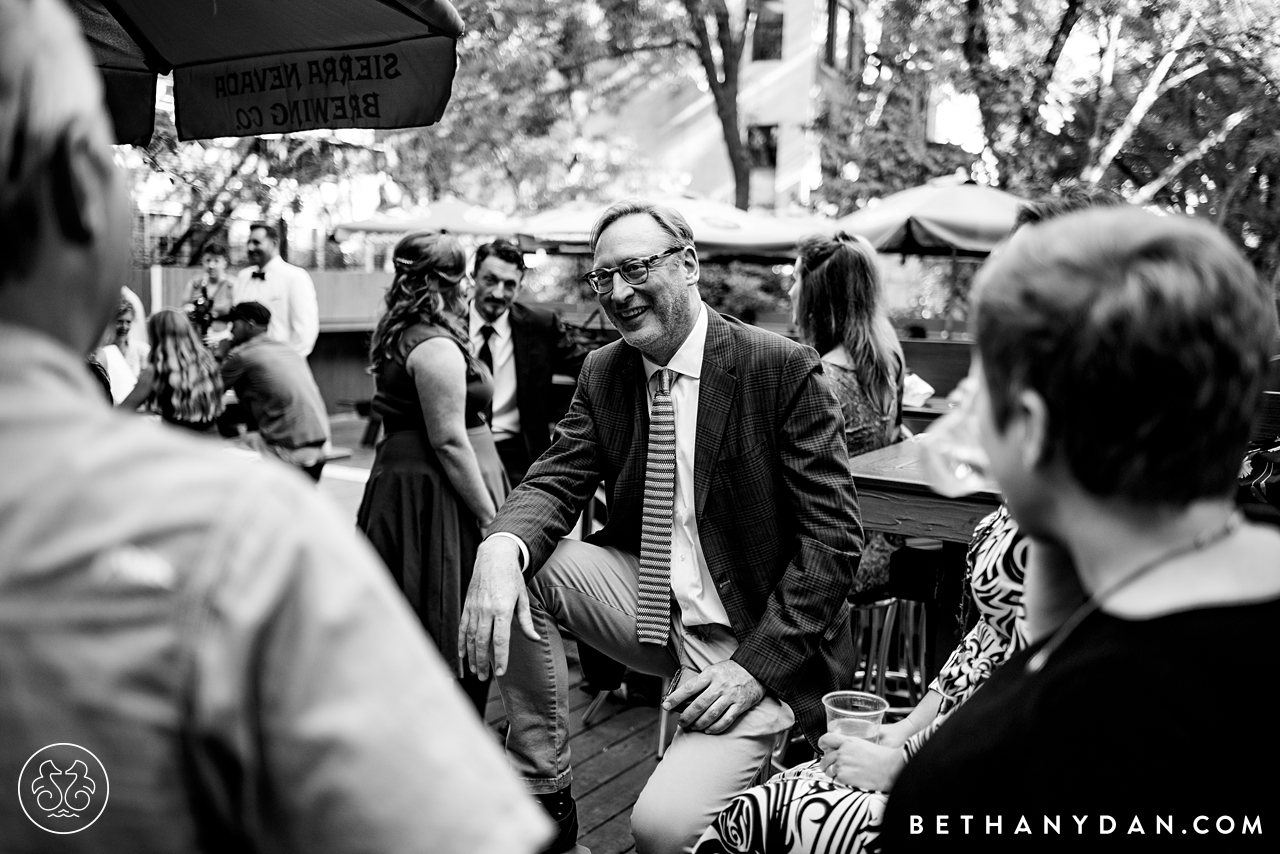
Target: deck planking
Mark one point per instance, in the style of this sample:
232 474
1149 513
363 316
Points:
612 760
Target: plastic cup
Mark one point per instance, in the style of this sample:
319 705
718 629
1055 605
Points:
952 458
855 713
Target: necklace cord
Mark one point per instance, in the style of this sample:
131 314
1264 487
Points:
1202 541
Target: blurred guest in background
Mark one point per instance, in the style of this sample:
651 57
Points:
1122 357
524 346
837 305
180 382
283 288
137 332
205 630
429 495
121 355
210 296
277 387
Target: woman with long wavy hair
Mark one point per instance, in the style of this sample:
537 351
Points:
836 304
436 480
180 382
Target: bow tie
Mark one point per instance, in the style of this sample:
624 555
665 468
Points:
259 274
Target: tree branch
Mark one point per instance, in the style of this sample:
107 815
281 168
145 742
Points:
1095 170
1147 191
1106 87
250 149
619 53
977 53
1040 83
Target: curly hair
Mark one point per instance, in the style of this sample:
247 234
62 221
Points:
186 376
839 304
426 289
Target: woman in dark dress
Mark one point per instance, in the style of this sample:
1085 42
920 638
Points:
836 304
180 381
428 500
1121 362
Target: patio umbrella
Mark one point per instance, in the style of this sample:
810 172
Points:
246 67
937 219
452 215
719 230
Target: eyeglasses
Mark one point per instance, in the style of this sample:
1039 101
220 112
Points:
634 271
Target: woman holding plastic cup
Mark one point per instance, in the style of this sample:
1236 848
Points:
1122 358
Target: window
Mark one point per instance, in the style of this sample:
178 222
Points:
762 146
766 42
844 35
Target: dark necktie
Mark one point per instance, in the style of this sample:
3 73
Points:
486 355
259 274
653 615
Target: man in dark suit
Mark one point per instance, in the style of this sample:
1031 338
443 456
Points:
721 448
524 346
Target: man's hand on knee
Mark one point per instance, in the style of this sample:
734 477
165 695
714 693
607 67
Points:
721 694
496 595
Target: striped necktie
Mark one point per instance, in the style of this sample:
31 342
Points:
653 617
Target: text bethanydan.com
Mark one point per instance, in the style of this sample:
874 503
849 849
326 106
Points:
1085 825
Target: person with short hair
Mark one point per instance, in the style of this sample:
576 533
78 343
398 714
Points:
207 631
277 387
210 296
1121 363
283 288
731 543
524 346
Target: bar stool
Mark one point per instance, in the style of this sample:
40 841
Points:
873 627
909 677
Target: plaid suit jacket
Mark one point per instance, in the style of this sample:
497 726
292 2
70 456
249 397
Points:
776 507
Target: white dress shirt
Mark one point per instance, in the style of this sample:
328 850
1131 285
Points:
506 415
290 295
691 582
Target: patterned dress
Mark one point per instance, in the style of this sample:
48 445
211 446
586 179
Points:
804 810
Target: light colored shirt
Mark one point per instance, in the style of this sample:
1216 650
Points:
691 582
290 295
189 616
506 415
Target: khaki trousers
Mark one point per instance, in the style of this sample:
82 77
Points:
591 591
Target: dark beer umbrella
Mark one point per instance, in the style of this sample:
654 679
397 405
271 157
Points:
965 220
245 67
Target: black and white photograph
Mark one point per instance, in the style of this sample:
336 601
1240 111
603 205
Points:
639 426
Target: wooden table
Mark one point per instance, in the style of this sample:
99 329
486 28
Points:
894 497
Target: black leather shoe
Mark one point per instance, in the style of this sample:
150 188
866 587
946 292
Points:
563 810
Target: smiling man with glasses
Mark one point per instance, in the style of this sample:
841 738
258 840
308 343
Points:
729 550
